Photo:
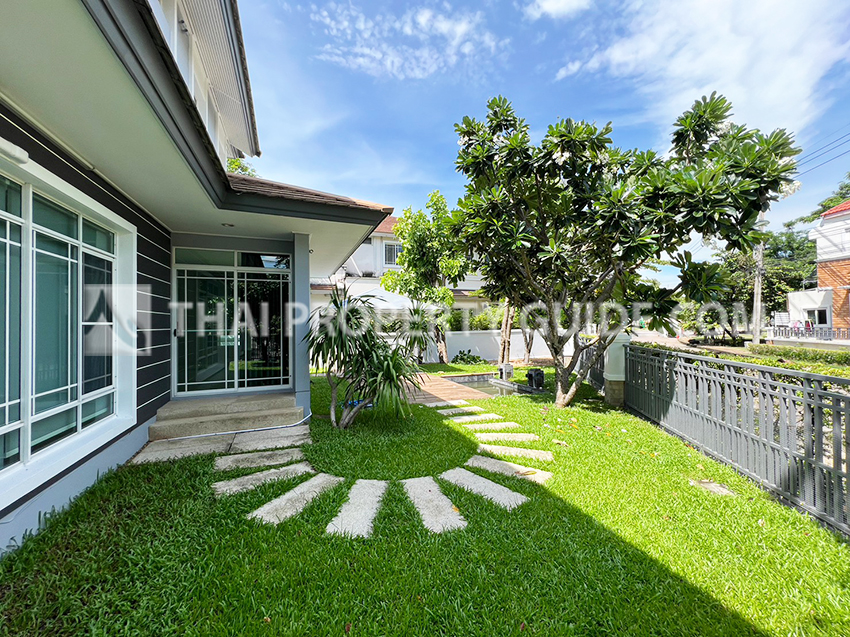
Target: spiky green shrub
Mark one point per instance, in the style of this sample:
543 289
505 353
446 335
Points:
361 367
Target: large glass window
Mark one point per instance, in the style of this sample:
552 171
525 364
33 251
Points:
10 197
70 364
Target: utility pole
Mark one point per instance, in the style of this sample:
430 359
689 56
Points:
757 283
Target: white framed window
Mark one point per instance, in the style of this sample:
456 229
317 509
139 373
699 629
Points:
391 252
818 317
62 352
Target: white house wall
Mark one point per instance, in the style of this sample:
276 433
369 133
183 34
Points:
832 238
799 302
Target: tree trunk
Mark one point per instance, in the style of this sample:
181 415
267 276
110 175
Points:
528 340
584 371
505 341
758 319
333 396
442 348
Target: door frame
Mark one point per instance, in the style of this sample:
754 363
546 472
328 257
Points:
235 270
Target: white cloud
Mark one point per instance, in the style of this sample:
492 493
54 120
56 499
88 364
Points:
417 44
555 8
569 69
768 57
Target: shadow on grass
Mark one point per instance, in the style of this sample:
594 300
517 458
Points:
149 549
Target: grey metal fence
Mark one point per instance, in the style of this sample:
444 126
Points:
597 372
787 430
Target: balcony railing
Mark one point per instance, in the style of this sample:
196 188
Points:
819 333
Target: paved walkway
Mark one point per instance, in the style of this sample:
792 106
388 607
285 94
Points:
436 389
277 456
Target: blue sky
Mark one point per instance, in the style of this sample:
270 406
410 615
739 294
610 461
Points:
361 98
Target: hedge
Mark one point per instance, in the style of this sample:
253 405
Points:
830 357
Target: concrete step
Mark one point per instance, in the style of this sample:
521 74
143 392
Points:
236 421
195 407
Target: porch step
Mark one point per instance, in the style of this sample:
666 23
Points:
195 407
221 422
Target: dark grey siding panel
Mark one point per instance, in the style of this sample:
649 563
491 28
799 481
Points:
153 355
150 285
152 372
153 320
154 248
152 303
153 260
160 270
152 396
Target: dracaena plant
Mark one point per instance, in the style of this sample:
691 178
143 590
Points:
573 219
361 367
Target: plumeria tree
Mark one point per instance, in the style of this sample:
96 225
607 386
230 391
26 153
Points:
573 219
432 260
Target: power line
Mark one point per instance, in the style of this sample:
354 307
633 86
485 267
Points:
827 136
824 163
824 150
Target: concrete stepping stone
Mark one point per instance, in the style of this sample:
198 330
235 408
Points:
357 515
272 439
507 436
253 480
258 459
162 450
436 510
294 502
488 489
537 454
446 403
493 426
475 417
454 411
509 469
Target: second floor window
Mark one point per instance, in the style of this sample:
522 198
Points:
391 252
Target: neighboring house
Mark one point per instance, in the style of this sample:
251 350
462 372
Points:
378 254
116 121
825 310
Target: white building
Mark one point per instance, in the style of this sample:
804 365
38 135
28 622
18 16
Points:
374 257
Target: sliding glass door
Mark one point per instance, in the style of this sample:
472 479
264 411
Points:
230 325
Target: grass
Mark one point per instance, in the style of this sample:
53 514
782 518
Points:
616 543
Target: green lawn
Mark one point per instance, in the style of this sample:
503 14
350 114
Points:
616 543
457 368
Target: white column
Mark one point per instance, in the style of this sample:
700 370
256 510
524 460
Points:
615 370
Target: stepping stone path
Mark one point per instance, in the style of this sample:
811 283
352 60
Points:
436 510
498 450
253 480
446 403
492 426
474 417
261 459
294 502
356 516
454 411
496 493
509 469
278 452
508 436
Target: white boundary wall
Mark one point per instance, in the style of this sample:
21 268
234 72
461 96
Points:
485 344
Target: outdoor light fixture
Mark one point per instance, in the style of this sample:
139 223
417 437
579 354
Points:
227 225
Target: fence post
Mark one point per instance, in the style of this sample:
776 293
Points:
615 370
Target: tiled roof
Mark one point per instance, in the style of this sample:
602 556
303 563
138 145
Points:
842 207
387 225
256 186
